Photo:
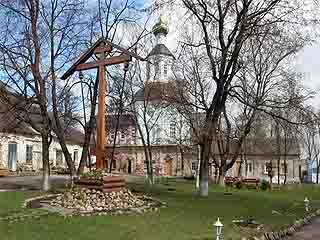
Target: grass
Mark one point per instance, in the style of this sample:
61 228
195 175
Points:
187 216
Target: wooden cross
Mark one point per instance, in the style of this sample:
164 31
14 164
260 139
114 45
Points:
101 48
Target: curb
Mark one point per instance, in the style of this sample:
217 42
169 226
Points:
289 231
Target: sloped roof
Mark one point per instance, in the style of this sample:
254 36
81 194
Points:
160 49
266 147
74 135
125 120
159 91
14 118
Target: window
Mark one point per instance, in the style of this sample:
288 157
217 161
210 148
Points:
172 130
249 167
145 166
29 154
112 136
114 164
156 69
283 168
58 157
122 136
12 156
133 136
265 167
165 70
194 166
158 135
75 155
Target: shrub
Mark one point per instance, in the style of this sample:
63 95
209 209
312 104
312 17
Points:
190 177
265 185
238 185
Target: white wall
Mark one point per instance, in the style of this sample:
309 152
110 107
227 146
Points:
159 120
35 141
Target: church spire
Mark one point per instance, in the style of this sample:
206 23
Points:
160 30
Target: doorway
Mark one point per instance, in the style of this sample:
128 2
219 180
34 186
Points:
168 167
129 166
12 156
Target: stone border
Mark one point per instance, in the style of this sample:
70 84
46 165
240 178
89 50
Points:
25 203
152 206
289 231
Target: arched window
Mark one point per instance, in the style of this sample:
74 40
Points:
165 70
156 69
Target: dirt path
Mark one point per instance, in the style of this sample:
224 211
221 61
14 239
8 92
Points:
309 232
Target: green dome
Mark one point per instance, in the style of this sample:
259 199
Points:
160 27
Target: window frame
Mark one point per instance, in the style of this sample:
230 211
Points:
59 162
165 69
29 155
194 166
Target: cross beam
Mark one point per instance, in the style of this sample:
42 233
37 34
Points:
102 48
104 62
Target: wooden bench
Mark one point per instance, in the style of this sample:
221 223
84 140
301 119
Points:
4 172
230 181
251 181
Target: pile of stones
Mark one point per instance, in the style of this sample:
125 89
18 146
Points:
92 200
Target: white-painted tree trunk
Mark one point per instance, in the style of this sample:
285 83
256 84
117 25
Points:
198 170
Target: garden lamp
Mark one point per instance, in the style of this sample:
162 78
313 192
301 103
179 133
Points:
218 225
81 76
306 203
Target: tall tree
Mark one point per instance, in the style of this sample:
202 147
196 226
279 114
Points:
39 37
225 30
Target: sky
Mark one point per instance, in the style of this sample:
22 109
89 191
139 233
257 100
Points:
307 61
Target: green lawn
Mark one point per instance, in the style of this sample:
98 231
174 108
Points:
187 216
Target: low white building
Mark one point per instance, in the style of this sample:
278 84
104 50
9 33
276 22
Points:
22 148
20 144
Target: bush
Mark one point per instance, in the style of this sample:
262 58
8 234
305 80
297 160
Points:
238 185
265 185
190 177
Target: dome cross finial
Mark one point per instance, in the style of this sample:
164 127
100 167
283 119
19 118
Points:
161 26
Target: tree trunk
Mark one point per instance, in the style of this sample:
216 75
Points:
317 172
278 163
182 160
285 171
204 170
198 167
45 162
89 127
222 175
150 168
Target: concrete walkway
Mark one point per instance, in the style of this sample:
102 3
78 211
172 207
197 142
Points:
30 182
34 182
309 232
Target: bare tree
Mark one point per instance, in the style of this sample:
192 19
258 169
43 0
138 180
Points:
147 105
311 136
112 21
224 72
46 38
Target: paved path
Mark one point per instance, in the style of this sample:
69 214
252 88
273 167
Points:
34 182
309 232
30 182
